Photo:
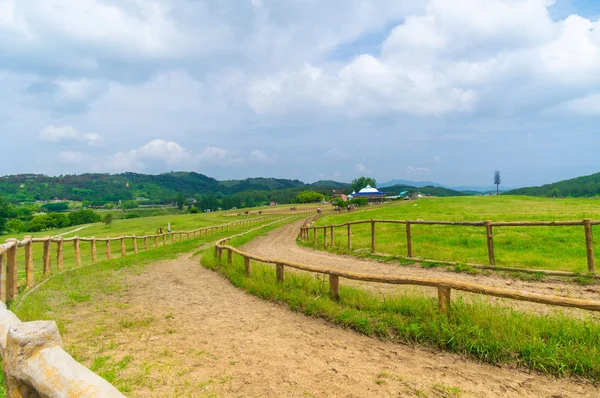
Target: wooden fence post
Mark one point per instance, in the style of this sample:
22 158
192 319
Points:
334 284
11 272
443 299
230 256
315 235
94 254
135 248
164 239
220 253
77 251
180 236
156 241
146 243
46 256
248 265
490 242
172 238
279 270
123 248
349 236
332 237
60 257
373 244
324 237
108 249
589 245
2 279
409 239
29 278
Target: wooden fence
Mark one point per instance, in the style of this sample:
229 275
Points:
9 283
443 286
488 225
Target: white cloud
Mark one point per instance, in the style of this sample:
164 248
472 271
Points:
261 157
66 134
412 169
361 168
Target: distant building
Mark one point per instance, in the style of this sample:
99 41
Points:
373 194
337 193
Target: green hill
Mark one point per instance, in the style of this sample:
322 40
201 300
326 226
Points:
162 188
585 186
428 190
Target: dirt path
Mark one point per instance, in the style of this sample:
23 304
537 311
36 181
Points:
281 243
188 332
73 231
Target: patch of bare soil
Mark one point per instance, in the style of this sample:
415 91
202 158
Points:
189 332
281 244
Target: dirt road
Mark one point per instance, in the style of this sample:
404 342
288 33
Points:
281 243
188 332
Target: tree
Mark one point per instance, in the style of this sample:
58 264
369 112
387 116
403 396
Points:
497 180
309 197
108 219
4 213
180 200
361 182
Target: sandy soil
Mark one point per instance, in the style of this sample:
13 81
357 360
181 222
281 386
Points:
281 244
191 333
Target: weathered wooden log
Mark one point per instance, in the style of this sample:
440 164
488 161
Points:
490 242
230 257
315 235
77 251
29 277
11 271
94 253
108 249
349 226
46 257
248 266
146 245
332 237
409 248
443 299
325 238
60 257
279 271
589 245
373 242
123 248
334 284
135 246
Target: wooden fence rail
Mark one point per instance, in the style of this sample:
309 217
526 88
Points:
443 286
488 225
9 283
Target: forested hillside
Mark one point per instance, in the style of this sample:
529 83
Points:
99 189
585 186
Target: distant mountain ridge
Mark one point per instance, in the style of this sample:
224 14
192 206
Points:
585 186
462 188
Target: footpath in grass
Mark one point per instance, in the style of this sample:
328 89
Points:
556 345
552 248
61 295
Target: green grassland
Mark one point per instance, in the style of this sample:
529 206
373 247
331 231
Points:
552 344
136 226
553 248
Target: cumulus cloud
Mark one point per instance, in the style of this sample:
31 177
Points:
67 134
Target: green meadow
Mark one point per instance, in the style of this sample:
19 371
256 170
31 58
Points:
119 227
552 248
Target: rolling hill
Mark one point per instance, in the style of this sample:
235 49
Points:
585 186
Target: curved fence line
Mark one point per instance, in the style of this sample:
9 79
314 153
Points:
586 223
34 361
443 286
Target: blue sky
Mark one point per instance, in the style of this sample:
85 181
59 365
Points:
441 90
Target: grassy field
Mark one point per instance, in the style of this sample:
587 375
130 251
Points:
555 344
136 226
553 248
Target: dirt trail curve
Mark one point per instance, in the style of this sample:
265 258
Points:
208 338
281 244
